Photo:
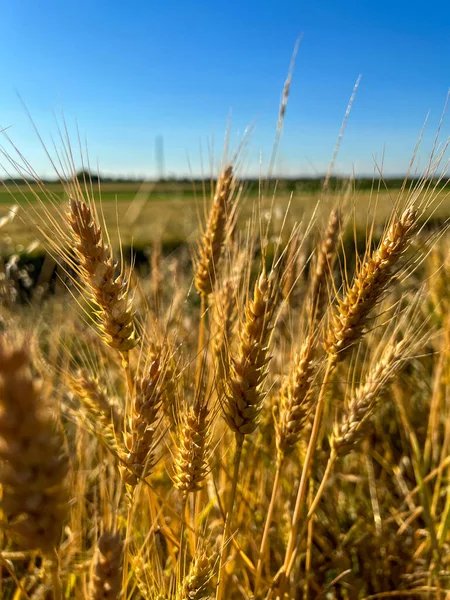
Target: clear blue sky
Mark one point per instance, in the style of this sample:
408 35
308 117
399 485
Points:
130 71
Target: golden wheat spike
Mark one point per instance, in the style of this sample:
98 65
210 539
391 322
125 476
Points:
211 243
370 282
98 269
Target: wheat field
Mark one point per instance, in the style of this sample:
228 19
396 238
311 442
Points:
262 413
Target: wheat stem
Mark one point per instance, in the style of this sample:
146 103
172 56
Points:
265 537
229 514
299 504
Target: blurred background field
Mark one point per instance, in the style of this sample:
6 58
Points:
169 212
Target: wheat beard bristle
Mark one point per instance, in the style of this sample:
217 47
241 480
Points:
34 463
243 394
371 281
210 246
98 270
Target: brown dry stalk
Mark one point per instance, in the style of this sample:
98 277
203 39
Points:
106 580
372 279
34 463
98 271
142 439
193 448
195 586
244 395
295 400
354 422
210 246
326 256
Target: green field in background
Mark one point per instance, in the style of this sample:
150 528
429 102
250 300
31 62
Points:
171 213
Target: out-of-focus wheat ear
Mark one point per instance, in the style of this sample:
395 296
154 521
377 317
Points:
371 281
224 315
290 274
34 464
354 422
295 399
94 397
323 265
98 271
196 584
106 579
141 438
193 447
244 394
211 242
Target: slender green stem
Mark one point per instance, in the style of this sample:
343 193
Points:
265 537
229 515
300 501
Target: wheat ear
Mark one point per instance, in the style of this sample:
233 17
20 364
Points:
98 270
94 397
195 586
193 448
354 422
370 282
106 579
210 246
34 463
244 394
141 440
326 256
295 399
224 316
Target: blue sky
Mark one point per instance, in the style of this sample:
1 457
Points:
131 71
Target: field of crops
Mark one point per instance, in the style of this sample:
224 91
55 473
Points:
170 213
261 412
